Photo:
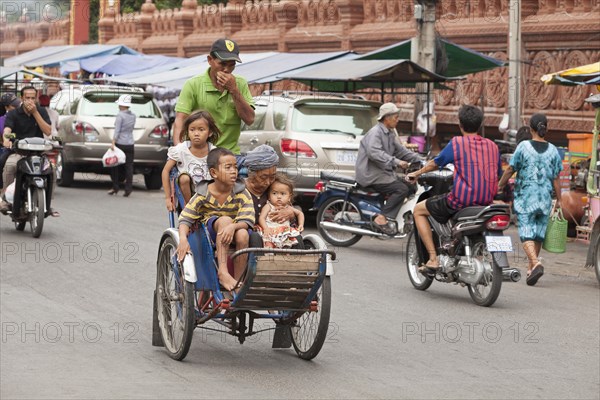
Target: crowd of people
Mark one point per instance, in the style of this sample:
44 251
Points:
206 156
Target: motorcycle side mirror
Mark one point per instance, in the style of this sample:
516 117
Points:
594 100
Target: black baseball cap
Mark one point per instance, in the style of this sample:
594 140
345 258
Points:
225 50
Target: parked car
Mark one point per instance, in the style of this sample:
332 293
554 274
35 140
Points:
86 127
311 132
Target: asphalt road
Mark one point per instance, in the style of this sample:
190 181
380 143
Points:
76 307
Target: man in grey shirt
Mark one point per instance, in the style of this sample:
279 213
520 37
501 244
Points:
379 155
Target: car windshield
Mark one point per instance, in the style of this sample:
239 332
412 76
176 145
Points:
104 105
332 118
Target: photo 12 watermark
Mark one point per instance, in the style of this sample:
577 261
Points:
469 332
69 332
69 252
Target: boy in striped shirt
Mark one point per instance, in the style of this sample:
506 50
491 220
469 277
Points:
477 167
224 205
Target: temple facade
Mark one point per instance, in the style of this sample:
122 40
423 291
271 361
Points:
556 35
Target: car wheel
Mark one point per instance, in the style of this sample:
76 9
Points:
153 180
64 172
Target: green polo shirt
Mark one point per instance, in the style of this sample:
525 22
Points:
198 93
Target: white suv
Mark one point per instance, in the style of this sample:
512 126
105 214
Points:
311 132
87 120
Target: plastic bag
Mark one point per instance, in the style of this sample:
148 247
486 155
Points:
423 116
112 158
9 194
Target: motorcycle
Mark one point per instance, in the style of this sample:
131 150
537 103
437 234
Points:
346 210
471 246
32 184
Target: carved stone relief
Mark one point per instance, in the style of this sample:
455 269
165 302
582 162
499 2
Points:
495 83
573 96
258 14
470 89
446 97
538 95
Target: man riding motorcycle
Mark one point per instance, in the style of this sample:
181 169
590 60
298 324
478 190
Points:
477 168
28 120
379 154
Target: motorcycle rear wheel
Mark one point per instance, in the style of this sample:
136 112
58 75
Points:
334 211
413 261
36 219
20 226
487 291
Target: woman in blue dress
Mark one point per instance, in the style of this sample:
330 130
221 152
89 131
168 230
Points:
537 164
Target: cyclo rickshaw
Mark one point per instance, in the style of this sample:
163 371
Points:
292 288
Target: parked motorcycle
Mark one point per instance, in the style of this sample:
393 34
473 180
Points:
471 246
33 183
346 210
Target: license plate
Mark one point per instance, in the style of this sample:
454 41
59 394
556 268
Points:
497 244
346 157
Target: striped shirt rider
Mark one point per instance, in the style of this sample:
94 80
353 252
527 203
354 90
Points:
477 168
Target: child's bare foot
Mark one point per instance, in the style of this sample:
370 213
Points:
227 281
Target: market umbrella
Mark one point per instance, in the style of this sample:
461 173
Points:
583 75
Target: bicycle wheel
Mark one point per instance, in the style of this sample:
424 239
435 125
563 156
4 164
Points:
310 330
175 302
597 258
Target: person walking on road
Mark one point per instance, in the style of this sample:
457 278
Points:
123 139
537 164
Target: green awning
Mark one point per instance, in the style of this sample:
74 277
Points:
461 60
352 75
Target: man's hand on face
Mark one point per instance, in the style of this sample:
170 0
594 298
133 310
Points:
29 106
226 80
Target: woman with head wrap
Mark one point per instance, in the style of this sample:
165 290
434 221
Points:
262 169
537 164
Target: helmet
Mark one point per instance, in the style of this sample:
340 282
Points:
9 99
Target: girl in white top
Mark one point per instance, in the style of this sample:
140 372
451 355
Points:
196 140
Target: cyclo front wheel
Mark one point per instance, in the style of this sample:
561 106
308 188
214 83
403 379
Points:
310 329
175 302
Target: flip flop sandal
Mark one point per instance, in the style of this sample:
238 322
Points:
383 228
535 275
428 270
